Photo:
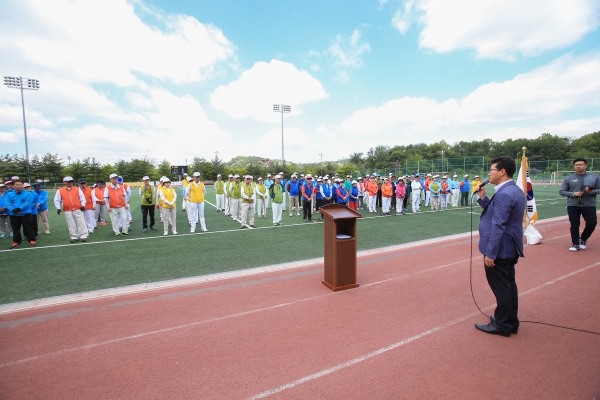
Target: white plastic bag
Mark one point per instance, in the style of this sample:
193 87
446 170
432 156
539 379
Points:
533 235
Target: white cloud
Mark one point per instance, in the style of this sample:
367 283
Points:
347 54
524 105
9 137
500 29
108 42
257 89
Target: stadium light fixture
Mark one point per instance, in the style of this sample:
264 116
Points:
282 108
23 84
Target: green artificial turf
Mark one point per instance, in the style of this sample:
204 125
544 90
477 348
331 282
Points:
57 267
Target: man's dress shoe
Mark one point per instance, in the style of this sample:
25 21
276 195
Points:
514 331
492 329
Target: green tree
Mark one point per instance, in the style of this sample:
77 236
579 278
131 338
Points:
52 168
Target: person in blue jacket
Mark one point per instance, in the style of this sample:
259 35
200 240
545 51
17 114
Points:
33 209
465 190
5 228
293 188
19 209
342 194
42 208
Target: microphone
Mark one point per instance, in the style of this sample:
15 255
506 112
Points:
482 184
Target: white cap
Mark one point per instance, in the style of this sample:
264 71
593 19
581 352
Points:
218 175
260 179
110 177
428 174
248 177
385 178
185 174
165 179
353 182
236 176
455 176
67 179
308 176
319 179
476 176
268 175
277 177
230 176
146 178
466 175
196 174
390 174
189 178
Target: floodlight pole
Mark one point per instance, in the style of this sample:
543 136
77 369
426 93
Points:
282 108
17 83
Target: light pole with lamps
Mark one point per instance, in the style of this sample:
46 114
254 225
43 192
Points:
282 108
31 84
442 171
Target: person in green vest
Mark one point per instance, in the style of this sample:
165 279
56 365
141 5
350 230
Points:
228 187
236 198
148 201
248 190
435 188
276 195
220 193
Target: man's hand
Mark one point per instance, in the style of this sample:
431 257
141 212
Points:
17 210
126 207
82 208
589 191
58 211
481 192
109 209
489 262
578 194
38 206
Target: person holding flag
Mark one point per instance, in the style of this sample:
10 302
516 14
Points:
581 189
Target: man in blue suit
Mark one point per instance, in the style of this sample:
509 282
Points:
501 243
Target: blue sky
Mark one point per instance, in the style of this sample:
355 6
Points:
178 79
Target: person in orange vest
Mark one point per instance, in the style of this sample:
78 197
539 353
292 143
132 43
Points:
428 180
90 206
444 193
168 203
128 192
372 188
70 200
99 203
116 198
386 196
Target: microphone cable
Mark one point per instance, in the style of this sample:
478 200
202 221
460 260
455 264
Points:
473 295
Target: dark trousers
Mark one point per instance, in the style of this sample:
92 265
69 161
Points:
405 202
590 218
501 279
307 209
23 221
320 203
464 198
378 201
145 211
34 224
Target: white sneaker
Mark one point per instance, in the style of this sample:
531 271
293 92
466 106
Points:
204 230
192 231
582 245
174 232
166 233
575 247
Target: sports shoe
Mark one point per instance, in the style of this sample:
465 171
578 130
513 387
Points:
32 243
145 230
290 215
116 234
90 232
274 223
15 245
103 223
192 231
204 230
575 247
73 240
166 233
125 233
582 245
84 240
152 228
3 236
174 232
252 226
298 214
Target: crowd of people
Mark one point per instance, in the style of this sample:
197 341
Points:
24 207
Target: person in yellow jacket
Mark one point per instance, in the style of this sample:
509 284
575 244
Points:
235 201
475 184
185 180
261 198
196 192
248 190
220 193
168 203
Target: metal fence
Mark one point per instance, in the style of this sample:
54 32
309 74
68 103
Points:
539 171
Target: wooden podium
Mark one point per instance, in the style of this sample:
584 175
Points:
340 246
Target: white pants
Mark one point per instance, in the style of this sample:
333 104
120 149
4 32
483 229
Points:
128 214
285 197
169 216
427 197
76 224
247 213
90 221
227 205
267 200
277 208
196 213
100 211
444 201
261 206
5 226
118 218
372 203
385 204
234 207
220 201
455 197
416 201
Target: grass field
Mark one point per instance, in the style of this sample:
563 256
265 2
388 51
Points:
57 267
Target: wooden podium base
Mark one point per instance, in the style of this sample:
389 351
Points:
337 289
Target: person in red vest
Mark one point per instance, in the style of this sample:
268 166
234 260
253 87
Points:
99 203
116 198
70 200
88 214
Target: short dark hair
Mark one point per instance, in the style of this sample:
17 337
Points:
580 159
506 163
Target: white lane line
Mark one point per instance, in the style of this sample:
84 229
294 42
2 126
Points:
173 328
383 350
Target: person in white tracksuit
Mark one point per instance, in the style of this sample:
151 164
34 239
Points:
416 194
195 193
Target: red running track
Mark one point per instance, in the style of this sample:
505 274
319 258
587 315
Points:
406 332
